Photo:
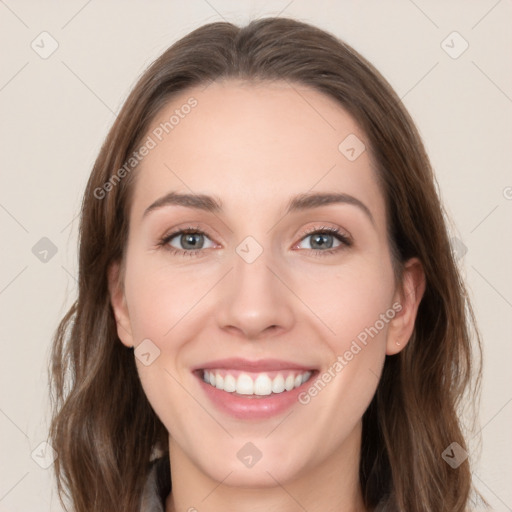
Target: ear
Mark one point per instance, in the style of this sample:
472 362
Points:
408 296
118 301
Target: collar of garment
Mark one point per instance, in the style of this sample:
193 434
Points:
158 486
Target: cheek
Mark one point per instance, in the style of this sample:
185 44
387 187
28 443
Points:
162 297
163 302
353 301
356 305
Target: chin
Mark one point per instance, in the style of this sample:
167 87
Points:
253 468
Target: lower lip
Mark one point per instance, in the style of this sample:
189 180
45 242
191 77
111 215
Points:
249 407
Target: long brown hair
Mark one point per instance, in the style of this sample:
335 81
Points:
103 428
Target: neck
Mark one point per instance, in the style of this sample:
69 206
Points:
330 486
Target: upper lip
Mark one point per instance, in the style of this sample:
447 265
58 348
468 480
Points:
260 365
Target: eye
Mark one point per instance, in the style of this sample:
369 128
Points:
326 240
187 241
191 241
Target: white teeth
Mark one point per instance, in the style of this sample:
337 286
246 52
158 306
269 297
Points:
244 385
261 385
229 383
278 384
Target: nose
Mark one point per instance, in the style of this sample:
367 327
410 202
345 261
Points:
254 302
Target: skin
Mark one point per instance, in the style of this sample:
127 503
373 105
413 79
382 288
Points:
254 146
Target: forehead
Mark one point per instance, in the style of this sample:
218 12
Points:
254 144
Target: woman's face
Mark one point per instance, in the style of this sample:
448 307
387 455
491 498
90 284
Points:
281 294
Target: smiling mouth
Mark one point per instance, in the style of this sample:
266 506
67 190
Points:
250 384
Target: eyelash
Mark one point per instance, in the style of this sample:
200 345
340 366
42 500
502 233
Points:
328 230
324 230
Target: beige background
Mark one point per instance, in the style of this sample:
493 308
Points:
55 113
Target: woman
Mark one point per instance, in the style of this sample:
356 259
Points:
269 313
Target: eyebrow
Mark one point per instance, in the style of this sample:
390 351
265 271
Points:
318 199
298 203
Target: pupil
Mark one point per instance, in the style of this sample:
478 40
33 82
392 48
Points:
322 240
